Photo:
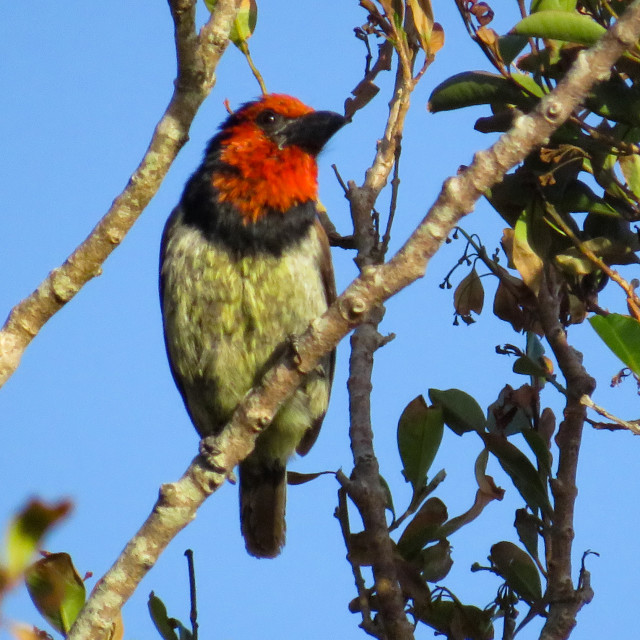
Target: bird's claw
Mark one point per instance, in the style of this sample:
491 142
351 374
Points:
294 345
210 453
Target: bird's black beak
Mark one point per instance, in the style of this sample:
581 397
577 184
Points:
311 132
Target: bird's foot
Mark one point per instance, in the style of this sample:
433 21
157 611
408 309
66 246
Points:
294 344
212 456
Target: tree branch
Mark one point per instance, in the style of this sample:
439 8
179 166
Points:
564 601
364 487
197 56
342 514
616 423
175 508
178 502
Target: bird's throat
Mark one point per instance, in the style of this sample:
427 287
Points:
264 178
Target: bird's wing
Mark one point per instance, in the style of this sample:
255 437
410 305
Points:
173 220
329 361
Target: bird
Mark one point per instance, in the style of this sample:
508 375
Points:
245 265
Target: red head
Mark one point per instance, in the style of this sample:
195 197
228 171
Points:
271 145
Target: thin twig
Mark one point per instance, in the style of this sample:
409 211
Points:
633 302
341 182
620 146
634 426
364 37
193 609
256 73
395 185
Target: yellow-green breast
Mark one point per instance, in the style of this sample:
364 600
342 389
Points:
225 316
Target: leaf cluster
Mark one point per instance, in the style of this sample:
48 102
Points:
570 206
53 583
423 548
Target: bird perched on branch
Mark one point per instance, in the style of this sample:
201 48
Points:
245 265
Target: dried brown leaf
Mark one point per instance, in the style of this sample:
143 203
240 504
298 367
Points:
469 295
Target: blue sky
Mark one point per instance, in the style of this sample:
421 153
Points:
92 413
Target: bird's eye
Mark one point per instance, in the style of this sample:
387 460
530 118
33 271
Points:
266 118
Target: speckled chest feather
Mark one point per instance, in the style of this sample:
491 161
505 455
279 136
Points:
230 314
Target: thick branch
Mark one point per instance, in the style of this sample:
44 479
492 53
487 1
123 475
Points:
342 514
564 601
198 56
179 501
364 486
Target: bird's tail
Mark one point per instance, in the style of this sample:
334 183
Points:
263 495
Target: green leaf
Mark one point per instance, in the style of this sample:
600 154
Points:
622 335
527 82
56 590
460 411
544 61
245 21
528 528
615 100
518 570
603 168
436 561
527 367
423 528
510 46
540 450
26 531
160 618
480 87
552 5
574 262
388 496
523 474
577 196
630 166
511 196
560 25
419 435
456 620
622 239
184 633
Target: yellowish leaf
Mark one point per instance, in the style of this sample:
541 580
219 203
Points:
26 531
527 261
430 34
56 589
